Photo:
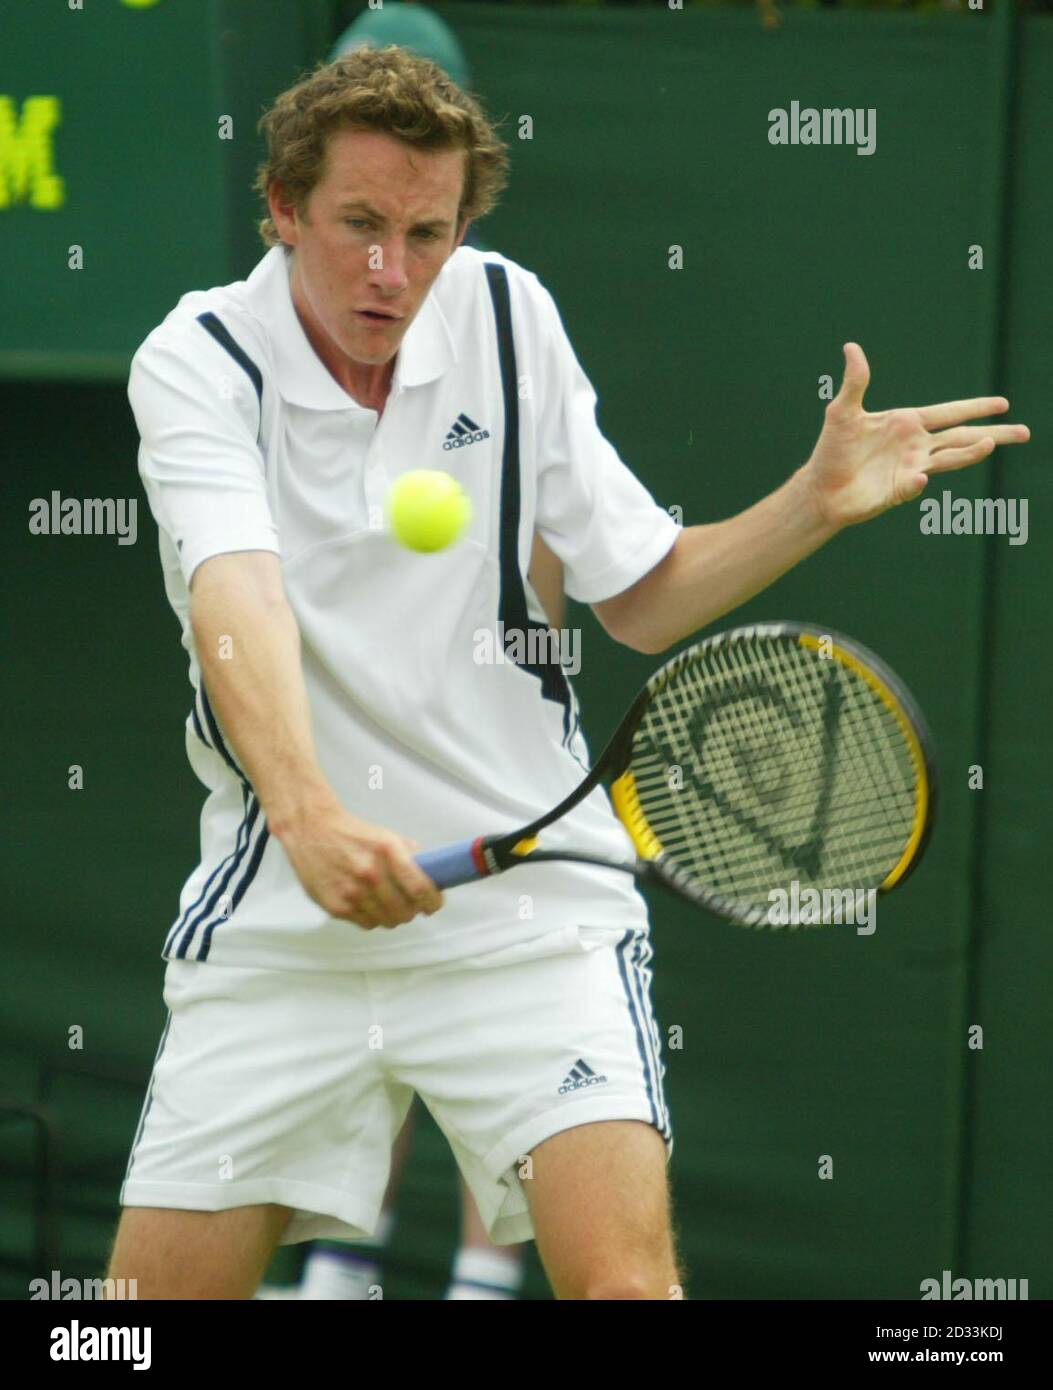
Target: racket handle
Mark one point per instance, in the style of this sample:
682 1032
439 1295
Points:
461 862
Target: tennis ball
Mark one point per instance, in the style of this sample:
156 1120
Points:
427 509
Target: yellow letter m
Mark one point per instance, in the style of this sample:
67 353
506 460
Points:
26 150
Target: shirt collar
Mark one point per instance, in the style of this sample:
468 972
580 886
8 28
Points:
426 351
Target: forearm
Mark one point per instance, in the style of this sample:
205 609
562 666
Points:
715 568
248 646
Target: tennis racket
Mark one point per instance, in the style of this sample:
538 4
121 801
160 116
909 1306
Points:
756 759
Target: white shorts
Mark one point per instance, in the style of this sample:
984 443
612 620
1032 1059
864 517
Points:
290 1087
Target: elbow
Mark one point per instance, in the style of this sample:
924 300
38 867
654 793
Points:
639 636
635 617
649 644
630 620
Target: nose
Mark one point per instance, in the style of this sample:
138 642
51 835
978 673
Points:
390 274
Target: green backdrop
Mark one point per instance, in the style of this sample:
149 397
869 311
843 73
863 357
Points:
649 131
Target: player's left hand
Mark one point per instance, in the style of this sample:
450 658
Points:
864 463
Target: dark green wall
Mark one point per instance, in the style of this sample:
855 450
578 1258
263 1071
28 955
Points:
650 129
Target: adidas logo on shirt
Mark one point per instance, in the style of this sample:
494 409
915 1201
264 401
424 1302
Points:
581 1075
465 431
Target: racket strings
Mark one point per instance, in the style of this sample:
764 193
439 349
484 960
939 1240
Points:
758 762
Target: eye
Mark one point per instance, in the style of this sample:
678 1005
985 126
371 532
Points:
356 222
431 236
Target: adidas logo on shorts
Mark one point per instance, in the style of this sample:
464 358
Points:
581 1075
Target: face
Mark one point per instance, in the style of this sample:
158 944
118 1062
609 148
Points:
374 234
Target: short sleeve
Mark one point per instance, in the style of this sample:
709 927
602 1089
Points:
592 511
202 468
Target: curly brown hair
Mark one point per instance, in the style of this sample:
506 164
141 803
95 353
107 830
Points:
387 89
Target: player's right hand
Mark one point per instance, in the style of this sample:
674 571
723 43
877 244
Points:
358 872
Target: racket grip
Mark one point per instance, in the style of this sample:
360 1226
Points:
461 862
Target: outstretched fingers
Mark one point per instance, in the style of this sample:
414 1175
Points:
938 417
956 448
948 459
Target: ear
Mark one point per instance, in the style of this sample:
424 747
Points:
461 234
283 214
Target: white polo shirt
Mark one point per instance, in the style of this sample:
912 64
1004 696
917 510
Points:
248 443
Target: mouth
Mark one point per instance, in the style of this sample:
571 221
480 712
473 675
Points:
375 316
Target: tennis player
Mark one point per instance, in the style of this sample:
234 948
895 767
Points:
479 1268
346 713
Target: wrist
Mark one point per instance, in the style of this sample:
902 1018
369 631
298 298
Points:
294 808
814 509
